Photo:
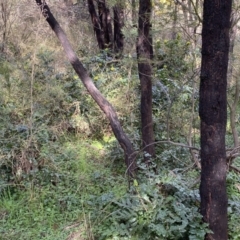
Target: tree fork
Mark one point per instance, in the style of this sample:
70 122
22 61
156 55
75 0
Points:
104 105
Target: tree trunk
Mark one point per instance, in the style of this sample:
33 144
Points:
118 20
174 25
96 25
233 111
144 52
213 114
105 106
105 21
5 15
233 106
134 13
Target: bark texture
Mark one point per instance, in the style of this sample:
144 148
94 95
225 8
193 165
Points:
105 106
213 114
144 52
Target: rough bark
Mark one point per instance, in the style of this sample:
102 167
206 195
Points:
105 106
144 52
213 114
96 25
118 20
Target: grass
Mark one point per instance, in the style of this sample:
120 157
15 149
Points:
73 196
50 201
39 213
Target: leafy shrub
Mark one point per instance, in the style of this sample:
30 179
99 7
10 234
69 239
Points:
233 183
159 206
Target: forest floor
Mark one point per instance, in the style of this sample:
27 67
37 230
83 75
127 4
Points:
49 203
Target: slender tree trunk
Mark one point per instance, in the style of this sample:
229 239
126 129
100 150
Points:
109 28
232 34
145 52
134 13
105 106
118 20
233 106
174 26
5 9
213 114
185 15
105 21
96 25
233 111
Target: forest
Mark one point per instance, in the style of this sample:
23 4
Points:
119 120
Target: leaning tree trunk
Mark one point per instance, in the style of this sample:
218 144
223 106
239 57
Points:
144 52
213 114
105 106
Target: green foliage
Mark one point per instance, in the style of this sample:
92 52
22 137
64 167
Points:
171 55
233 182
173 88
60 165
118 82
158 206
22 212
49 199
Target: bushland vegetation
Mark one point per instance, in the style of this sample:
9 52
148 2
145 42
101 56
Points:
63 173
